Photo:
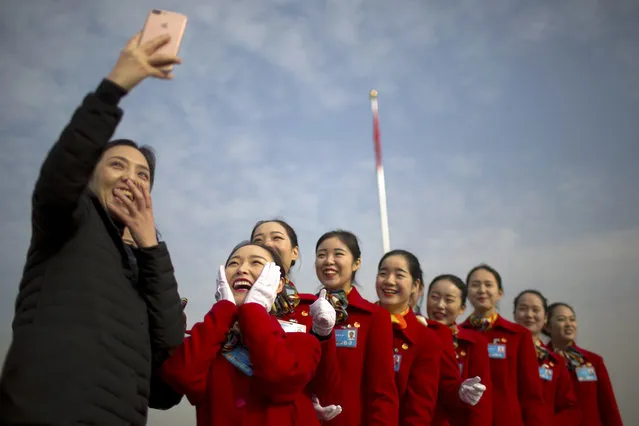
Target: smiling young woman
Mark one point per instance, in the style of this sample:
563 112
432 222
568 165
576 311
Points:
517 390
530 308
445 302
239 366
364 336
589 374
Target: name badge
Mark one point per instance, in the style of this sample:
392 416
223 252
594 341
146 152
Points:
545 373
397 362
292 327
346 337
240 358
496 351
461 368
586 374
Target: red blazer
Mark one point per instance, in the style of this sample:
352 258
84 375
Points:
417 353
517 392
283 366
560 398
450 409
326 383
369 395
594 392
472 358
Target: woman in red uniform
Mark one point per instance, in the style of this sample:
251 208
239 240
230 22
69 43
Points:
530 311
293 309
239 366
364 336
417 350
445 302
516 386
589 374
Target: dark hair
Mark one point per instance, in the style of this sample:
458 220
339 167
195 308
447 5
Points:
145 150
537 293
276 257
414 268
486 268
456 281
347 238
288 228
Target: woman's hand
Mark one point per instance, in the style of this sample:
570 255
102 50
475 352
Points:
323 315
223 291
264 290
136 214
137 62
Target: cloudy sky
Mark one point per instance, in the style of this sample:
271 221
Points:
509 130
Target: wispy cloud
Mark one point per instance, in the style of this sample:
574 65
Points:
509 134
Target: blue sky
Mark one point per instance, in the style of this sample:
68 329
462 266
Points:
509 131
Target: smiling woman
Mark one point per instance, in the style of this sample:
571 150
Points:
239 366
94 316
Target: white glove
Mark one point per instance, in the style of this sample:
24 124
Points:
223 291
264 290
471 390
323 315
326 413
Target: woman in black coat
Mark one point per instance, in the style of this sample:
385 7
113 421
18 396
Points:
94 317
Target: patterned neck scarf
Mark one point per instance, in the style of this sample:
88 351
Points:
417 310
483 323
339 301
286 300
574 358
455 330
233 338
542 353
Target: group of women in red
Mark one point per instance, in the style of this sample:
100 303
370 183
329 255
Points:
267 355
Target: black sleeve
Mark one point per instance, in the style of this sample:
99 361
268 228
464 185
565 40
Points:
160 291
68 167
162 396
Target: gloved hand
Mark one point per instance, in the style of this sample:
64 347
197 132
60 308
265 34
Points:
223 291
471 390
323 315
264 290
326 413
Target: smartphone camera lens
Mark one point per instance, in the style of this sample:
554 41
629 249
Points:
157 12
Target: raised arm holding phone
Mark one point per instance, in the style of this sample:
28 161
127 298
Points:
91 323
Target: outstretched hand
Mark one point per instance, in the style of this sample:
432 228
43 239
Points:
139 61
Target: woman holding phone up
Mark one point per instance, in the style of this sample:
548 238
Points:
88 326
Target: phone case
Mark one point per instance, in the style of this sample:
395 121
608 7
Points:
161 22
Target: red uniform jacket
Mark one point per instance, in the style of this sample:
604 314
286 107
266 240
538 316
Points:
449 407
365 353
326 384
594 391
517 392
283 366
560 398
417 353
472 357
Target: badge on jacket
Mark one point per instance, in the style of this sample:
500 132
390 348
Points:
397 362
586 374
497 351
240 358
292 327
545 373
345 337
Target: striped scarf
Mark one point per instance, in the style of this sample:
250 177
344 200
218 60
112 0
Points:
483 323
286 300
339 300
574 358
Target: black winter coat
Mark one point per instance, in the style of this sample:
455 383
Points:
90 325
